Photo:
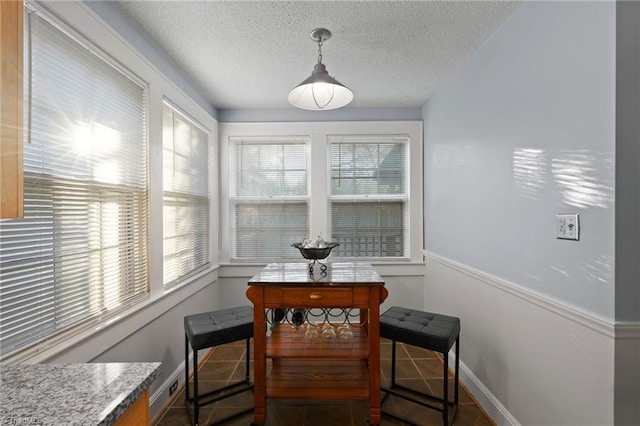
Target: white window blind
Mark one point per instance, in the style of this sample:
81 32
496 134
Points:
80 252
369 197
186 196
269 197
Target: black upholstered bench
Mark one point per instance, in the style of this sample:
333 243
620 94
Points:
210 329
429 331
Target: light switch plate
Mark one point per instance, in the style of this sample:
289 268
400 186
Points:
567 227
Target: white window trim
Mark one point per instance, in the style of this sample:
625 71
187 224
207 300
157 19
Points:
319 182
211 168
235 200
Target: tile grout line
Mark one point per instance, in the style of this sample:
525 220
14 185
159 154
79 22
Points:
355 416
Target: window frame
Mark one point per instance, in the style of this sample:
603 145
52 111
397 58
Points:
92 303
236 199
91 340
167 103
376 198
319 177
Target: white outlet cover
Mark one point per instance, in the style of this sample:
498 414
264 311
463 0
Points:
567 227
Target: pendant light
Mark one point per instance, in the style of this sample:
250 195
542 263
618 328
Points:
320 91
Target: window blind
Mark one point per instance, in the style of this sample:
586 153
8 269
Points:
369 197
269 188
80 252
186 182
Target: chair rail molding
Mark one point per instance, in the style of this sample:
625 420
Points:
600 325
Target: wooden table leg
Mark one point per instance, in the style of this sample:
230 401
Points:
374 355
256 295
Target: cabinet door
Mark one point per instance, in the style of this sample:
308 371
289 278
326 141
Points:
137 414
11 189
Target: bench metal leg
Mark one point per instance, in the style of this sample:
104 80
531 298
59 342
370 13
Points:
196 405
198 401
248 358
186 368
457 373
445 392
446 407
393 363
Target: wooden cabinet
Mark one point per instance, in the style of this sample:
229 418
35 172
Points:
321 369
11 175
137 414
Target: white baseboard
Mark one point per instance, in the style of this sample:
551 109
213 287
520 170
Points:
161 395
483 396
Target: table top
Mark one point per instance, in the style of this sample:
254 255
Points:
71 394
336 274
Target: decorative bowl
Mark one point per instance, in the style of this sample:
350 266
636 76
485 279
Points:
315 253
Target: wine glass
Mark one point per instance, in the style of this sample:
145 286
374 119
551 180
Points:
328 332
311 333
345 332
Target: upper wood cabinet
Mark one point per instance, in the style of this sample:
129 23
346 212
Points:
11 45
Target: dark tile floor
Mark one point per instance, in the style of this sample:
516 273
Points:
415 367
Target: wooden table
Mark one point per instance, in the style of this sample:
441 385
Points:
322 368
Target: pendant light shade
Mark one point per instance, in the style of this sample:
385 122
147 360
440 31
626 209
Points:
320 91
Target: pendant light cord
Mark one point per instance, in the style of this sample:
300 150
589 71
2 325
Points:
319 52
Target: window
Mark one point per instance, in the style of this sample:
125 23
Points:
186 184
80 252
269 202
356 183
368 195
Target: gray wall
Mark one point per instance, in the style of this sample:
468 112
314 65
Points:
544 119
628 162
525 130
627 267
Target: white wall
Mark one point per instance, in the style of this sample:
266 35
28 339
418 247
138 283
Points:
528 360
525 130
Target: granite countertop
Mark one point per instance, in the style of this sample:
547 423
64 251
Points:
71 394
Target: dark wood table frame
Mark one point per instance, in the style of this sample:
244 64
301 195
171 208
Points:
320 369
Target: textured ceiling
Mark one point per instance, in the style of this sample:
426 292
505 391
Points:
249 54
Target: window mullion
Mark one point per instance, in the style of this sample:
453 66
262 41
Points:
318 187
